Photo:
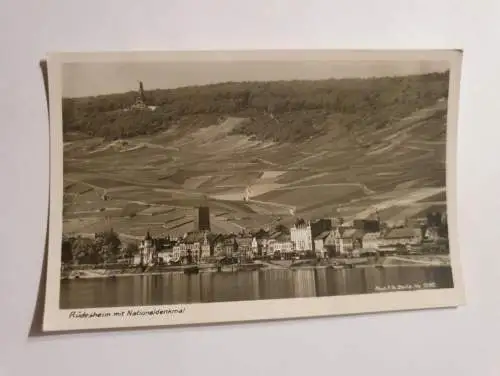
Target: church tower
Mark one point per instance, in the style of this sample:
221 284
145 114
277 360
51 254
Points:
147 250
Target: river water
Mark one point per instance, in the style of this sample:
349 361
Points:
178 288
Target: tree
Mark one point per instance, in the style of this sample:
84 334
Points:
281 228
66 251
107 245
434 219
131 249
84 252
356 99
443 230
299 222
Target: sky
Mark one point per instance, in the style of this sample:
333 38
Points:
89 79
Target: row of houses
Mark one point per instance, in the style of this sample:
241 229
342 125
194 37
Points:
321 238
343 241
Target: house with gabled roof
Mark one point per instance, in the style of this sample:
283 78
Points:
225 245
370 241
319 244
197 245
259 242
281 245
304 232
403 236
347 240
245 246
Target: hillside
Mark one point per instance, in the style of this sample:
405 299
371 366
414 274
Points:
282 111
340 147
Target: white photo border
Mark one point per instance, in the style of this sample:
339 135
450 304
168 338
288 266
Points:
56 319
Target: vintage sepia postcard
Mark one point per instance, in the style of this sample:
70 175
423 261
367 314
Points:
229 186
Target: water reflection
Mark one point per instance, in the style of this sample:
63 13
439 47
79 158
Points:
176 288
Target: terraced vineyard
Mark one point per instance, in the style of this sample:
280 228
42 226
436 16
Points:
395 163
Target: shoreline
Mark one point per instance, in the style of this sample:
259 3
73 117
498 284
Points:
111 274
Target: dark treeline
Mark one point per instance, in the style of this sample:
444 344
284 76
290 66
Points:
105 247
280 110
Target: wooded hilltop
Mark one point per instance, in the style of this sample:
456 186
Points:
282 111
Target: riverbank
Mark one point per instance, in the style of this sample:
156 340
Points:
333 263
128 271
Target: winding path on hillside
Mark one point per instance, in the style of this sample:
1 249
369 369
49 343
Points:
360 185
276 204
403 200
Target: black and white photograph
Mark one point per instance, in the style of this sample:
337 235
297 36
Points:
212 187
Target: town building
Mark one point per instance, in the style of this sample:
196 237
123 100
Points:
301 236
245 246
256 247
367 225
165 256
202 219
218 245
347 240
370 241
281 246
303 232
337 221
260 246
180 251
226 246
206 248
431 234
329 243
320 225
147 251
319 244
259 243
162 243
401 237
195 246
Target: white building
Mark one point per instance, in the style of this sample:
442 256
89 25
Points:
195 249
255 246
347 240
371 240
166 256
194 244
205 248
282 245
402 236
319 244
179 251
432 234
146 251
260 246
301 236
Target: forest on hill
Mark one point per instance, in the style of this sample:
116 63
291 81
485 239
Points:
283 111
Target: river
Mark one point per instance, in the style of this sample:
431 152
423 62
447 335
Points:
178 288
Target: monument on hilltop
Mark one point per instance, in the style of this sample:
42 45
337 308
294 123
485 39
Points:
140 101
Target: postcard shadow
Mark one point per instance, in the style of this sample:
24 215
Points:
36 328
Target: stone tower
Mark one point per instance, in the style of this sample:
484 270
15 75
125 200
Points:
140 101
202 218
141 92
147 250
